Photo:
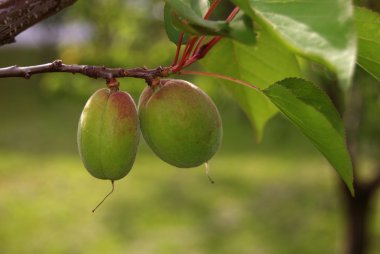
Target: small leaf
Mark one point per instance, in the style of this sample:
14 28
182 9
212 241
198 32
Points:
261 64
368 30
322 31
172 32
199 6
310 109
242 29
187 19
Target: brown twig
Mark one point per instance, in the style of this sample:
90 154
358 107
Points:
91 71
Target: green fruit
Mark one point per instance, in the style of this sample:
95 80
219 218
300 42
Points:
180 123
108 134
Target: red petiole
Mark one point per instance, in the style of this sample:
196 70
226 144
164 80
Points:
207 15
208 74
189 56
199 43
211 9
186 53
178 49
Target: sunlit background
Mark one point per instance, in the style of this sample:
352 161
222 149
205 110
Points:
277 196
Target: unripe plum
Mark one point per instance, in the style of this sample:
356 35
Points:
180 123
108 134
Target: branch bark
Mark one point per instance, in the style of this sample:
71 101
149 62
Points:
90 71
18 15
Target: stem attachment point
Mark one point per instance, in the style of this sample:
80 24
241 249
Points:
113 84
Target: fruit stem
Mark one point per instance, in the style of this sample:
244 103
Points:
207 173
209 74
113 84
101 202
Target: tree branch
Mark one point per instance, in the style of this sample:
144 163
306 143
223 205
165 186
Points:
91 71
18 15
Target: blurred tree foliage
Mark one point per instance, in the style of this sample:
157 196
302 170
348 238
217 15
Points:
123 34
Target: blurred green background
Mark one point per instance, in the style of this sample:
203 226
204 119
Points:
278 196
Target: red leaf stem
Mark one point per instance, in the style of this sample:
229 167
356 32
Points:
211 9
233 14
208 74
179 45
189 57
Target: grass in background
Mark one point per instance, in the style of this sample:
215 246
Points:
256 206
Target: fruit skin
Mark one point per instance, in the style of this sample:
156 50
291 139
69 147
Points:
108 134
180 123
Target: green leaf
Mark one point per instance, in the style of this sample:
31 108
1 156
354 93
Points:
309 108
189 21
200 7
184 17
368 30
320 30
171 31
261 65
241 28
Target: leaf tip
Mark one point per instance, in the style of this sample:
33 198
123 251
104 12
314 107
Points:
351 188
